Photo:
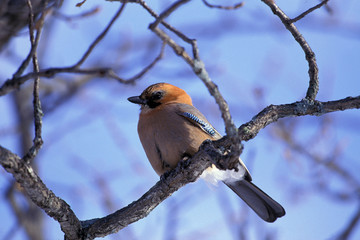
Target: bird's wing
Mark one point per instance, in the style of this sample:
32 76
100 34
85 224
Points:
193 115
198 119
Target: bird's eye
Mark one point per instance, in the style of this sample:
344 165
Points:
157 95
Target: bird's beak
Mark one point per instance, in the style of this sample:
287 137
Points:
136 99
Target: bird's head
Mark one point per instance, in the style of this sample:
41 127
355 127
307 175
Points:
160 94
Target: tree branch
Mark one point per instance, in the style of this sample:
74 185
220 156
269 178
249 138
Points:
17 80
302 15
309 54
100 37
186 172
14 83
304 107
346 233
208 153
37 141
236 6
37 191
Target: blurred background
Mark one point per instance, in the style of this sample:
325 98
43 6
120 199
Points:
92 157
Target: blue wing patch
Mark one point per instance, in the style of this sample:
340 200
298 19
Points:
204 125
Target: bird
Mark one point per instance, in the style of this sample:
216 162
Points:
170 129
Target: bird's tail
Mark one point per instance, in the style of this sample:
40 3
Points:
264 206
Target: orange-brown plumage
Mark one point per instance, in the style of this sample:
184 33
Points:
171 128
165 148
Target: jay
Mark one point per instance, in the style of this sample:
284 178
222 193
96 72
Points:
171 128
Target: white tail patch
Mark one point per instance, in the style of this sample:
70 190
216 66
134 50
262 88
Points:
213 175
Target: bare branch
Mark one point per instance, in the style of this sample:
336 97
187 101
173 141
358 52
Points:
206 155
236 6
180 51
147 68
100 37
302 15
34 42
17 81
14 83
37 141
350 227
185 172
40 194
159 19
330 164
304 107
309 54
74 17
152 198
167 12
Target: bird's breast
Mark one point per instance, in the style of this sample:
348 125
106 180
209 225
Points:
167 137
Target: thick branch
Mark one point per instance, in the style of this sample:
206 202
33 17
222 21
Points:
186 172
167 12
272 113
40 194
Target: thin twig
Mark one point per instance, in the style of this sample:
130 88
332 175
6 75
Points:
180 51
33 48
70 18
150 66
230 128
309 54
171 28
302 15
350 226
100 37
37 141
330 165
196 64
167 12
15 82
236 6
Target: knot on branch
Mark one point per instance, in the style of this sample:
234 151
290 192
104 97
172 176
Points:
199 67
306 105
222 153
302 107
